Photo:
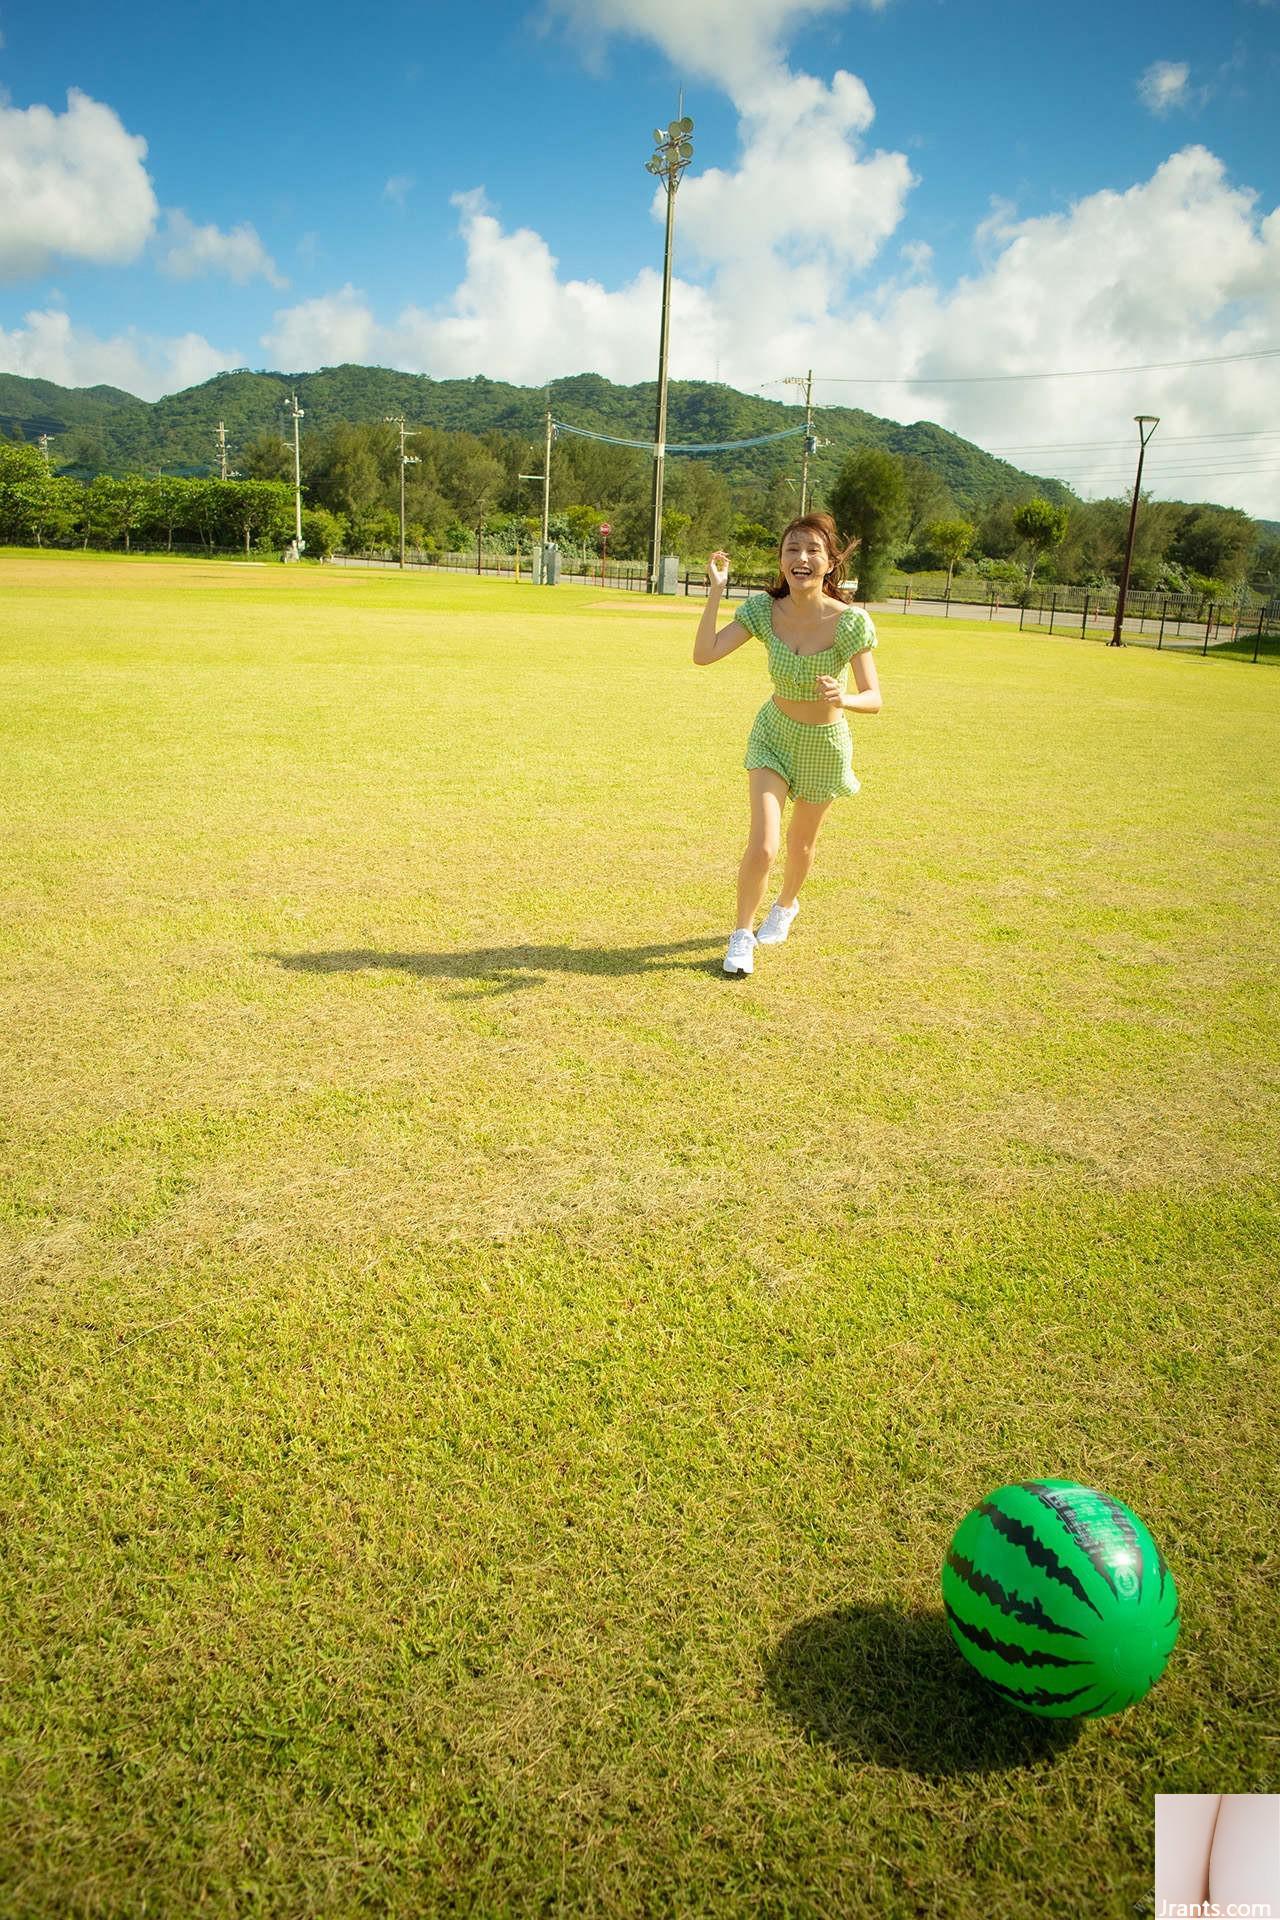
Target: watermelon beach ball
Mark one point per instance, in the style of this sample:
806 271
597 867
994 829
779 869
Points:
1060 1598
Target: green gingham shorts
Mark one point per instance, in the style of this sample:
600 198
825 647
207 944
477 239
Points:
815 762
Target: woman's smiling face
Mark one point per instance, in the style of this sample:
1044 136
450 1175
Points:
804 558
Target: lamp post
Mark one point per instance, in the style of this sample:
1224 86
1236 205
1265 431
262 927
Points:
673 152
1146 424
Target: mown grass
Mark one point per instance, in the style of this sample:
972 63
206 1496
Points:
485 1398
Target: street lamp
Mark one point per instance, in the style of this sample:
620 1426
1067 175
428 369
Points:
673 152
1146 424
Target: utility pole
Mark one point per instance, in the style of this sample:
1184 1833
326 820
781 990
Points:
406 460
673 152
43 443
222 450
1146 424
297 413
794 380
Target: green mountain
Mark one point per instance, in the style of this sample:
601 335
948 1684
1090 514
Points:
101 429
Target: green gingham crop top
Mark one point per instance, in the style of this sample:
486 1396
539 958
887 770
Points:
795 675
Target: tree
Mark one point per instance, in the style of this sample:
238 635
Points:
321 532
1264 568
951 539
267 457
869 503
928 495
1039 525
1216 541
170 503
264 507
472 481
117 506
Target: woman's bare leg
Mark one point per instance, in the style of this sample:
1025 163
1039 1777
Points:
802 839
1244 1867
1184 1836
768 793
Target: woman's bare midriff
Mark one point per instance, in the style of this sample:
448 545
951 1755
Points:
810 713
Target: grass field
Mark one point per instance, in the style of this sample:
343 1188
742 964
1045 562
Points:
485 1399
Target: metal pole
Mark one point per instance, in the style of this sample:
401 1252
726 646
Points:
660 434
298 414
546 481
808 436
1149 421
402 496
673 152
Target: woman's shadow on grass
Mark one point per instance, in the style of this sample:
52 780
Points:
493 970
877 1684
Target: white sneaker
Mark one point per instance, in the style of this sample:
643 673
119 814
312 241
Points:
741 956
777 924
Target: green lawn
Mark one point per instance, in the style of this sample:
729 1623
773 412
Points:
485 1399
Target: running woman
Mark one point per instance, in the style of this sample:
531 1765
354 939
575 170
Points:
799 744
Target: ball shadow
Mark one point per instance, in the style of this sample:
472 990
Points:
880 1685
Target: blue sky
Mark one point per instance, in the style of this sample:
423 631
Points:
918 189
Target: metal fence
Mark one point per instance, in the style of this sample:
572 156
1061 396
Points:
1185 623
627 575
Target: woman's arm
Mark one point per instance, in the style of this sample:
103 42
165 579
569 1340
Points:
708 645
867 698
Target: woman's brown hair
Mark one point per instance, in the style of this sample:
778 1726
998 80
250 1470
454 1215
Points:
832 579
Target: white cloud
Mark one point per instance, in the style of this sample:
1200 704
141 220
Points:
1164 86
48 347
72 185
188 251
801 192
730 42
1182 266
325 332
398 188
563 325
1179 267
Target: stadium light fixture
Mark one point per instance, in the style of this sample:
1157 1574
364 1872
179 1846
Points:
1146 424
673 150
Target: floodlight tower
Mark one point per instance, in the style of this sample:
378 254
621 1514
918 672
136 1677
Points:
673 150
1146 424
297 413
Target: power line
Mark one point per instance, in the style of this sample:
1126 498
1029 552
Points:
1063 373
712 446
1072 446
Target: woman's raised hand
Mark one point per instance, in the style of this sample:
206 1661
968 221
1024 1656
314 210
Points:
718 569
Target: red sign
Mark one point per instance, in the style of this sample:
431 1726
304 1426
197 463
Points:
605 527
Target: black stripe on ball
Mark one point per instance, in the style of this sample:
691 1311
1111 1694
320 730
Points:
1040 1697
1035 1549
1084 1537
1007 1649
1030 1612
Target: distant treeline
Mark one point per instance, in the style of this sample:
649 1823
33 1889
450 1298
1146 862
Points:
461 487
